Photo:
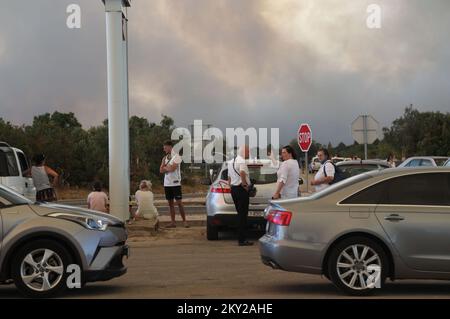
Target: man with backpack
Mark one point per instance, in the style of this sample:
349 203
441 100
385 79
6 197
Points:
328 173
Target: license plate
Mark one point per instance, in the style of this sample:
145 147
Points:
255 214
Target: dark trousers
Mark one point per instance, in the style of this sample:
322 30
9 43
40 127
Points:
241 202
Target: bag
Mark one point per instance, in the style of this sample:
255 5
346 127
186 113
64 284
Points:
251 188
338 174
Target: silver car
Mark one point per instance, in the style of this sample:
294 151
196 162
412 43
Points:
220 209
393 223
42 245
427 161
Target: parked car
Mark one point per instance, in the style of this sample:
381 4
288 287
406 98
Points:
393 223
221 213
417 161
336 159
352 168
314 166
38 241
13 162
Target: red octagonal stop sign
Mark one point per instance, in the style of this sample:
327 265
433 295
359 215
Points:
304 137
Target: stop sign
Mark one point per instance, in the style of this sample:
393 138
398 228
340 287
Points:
304 137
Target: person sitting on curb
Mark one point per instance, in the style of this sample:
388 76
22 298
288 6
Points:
145 201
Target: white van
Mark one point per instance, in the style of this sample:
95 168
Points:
13 163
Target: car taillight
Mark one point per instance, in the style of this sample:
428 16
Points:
222 190
280 217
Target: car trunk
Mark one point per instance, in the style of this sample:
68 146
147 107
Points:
264 177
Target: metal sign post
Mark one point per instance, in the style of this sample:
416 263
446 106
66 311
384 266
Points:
304 139
365 130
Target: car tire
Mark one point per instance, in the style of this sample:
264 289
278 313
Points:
351 275
38 278
212 232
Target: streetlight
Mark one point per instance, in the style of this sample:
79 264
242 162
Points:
118 131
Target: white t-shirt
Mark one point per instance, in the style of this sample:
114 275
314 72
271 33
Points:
146 206
172 178
238 165
329 168
289 173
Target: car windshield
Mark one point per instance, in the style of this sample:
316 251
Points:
340 185
10 197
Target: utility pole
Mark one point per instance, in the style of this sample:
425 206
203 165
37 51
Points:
118 114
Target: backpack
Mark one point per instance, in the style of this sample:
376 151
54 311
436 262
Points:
338 174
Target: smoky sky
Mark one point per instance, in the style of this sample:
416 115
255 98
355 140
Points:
232 63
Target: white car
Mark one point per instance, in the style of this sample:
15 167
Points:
13 162
430 161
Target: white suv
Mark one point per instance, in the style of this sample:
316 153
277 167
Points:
13 162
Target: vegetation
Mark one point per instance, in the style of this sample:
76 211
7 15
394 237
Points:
81 156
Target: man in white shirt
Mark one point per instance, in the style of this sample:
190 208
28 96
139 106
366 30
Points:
325 175
170 167
239 180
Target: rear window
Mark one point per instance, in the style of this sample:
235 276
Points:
262 174
352 170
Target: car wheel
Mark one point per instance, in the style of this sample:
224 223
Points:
38 269
358 266
212 232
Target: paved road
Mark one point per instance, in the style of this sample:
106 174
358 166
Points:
180 263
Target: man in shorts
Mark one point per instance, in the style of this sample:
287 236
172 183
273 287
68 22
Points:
170 167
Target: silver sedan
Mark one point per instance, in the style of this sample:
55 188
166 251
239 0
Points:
392 224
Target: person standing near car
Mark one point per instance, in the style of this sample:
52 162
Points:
40 173
288 175
170 167
239 180
325 175
391 160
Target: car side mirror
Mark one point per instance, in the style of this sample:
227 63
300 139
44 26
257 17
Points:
300 181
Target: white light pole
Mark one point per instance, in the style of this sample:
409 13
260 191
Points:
118 131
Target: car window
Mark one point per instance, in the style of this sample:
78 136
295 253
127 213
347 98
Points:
447 163
23 161
371 195
426 162
8 164
414 163
419 189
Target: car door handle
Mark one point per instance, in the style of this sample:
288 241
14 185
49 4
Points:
394 218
